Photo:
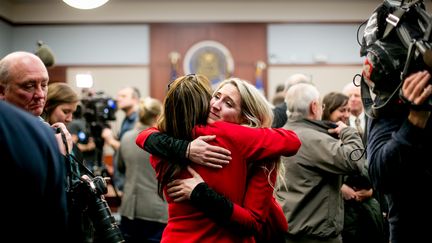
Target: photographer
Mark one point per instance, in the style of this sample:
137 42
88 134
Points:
399 146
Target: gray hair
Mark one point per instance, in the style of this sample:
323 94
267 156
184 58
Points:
4 72
298 99
297 78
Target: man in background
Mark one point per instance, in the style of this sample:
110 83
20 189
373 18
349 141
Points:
357 119
127 100
280 110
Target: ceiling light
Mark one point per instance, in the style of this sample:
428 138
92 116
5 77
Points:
85 4
84 80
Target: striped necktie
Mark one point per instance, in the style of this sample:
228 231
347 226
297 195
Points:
358 126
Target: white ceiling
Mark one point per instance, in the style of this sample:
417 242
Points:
157 11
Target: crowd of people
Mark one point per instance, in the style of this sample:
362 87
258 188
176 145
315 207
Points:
222 164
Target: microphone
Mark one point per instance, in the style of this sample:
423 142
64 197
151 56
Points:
45 54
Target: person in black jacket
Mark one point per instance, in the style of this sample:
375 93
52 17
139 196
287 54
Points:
34 199
399 145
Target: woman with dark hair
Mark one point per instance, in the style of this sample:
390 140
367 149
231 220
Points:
363 221
61 103
335 107
209 216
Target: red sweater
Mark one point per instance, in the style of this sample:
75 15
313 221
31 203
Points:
188 224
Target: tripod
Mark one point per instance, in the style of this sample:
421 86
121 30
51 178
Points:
99 168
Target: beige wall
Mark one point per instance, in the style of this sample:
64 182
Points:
326 78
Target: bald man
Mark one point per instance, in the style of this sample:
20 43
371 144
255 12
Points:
24 81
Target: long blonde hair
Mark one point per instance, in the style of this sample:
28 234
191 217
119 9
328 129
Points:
149 110
256 112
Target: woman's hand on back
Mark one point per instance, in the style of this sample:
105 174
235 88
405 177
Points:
202 153
181 189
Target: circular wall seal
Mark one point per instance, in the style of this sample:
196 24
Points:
209 58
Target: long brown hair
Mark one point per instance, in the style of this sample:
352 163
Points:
331 102
186 105
58 94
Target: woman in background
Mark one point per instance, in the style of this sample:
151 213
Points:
61 103
363 220
143 213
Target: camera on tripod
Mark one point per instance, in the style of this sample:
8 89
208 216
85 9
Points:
396 42
99 109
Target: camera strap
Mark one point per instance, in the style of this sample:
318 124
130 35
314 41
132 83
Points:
63 136
393 18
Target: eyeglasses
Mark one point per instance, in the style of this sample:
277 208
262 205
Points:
192 75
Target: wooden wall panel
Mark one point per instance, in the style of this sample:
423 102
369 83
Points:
246 42
57 74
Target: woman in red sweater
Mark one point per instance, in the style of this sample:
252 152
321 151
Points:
190 221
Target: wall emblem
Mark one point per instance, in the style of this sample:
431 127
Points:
209 58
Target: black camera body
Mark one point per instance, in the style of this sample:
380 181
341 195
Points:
396 42
99 109
87 200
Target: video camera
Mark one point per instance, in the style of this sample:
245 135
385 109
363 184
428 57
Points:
396 42
99 109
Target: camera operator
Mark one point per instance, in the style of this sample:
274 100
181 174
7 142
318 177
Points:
82 137
61 102
397 47
399 146
127 100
